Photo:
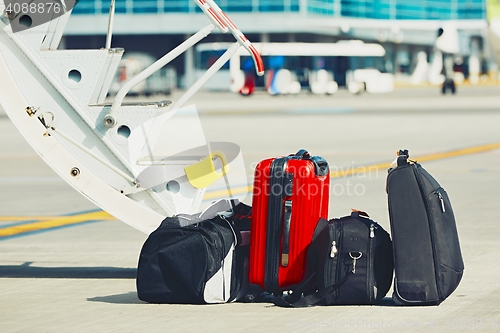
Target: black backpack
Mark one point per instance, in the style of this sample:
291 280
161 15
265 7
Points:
193 260
427 258
349 262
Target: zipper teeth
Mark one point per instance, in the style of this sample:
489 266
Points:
418 177
329 260
338 270
370 264
391 225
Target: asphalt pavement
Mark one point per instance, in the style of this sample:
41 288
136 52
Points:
80 277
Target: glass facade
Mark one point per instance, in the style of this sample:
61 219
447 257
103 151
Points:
184 6
372 9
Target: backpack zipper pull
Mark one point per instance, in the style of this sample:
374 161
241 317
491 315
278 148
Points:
333 250
440 196
372 230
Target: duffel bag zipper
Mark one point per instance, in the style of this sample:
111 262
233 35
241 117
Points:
333 249
339 234
330 270
372 230
327 274
370 279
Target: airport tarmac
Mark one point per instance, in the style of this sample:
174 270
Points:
65 266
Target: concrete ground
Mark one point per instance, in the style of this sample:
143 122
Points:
82 278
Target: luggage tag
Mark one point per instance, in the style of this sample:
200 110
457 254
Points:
359 212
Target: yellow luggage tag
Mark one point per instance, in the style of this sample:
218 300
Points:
203 173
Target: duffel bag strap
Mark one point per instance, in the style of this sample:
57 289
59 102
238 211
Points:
296 301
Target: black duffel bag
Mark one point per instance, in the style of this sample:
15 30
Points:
348 262
196 260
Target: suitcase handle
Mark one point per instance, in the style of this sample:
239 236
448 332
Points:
402 158
403 152
303 153
320 164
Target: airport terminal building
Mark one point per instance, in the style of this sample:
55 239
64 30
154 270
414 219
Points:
404 28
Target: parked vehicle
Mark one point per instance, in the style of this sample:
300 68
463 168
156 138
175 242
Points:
290 67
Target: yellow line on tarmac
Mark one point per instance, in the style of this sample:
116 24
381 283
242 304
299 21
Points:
363 169
459 152
54 223
224 193
26 218
47 222
425 158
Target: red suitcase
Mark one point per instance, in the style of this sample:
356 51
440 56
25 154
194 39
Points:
290 195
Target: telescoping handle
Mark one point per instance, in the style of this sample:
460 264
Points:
287 191
287 218
224 23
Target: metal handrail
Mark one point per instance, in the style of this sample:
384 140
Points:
110 119
219 19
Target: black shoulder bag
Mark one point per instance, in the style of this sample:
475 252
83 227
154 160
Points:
349 262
